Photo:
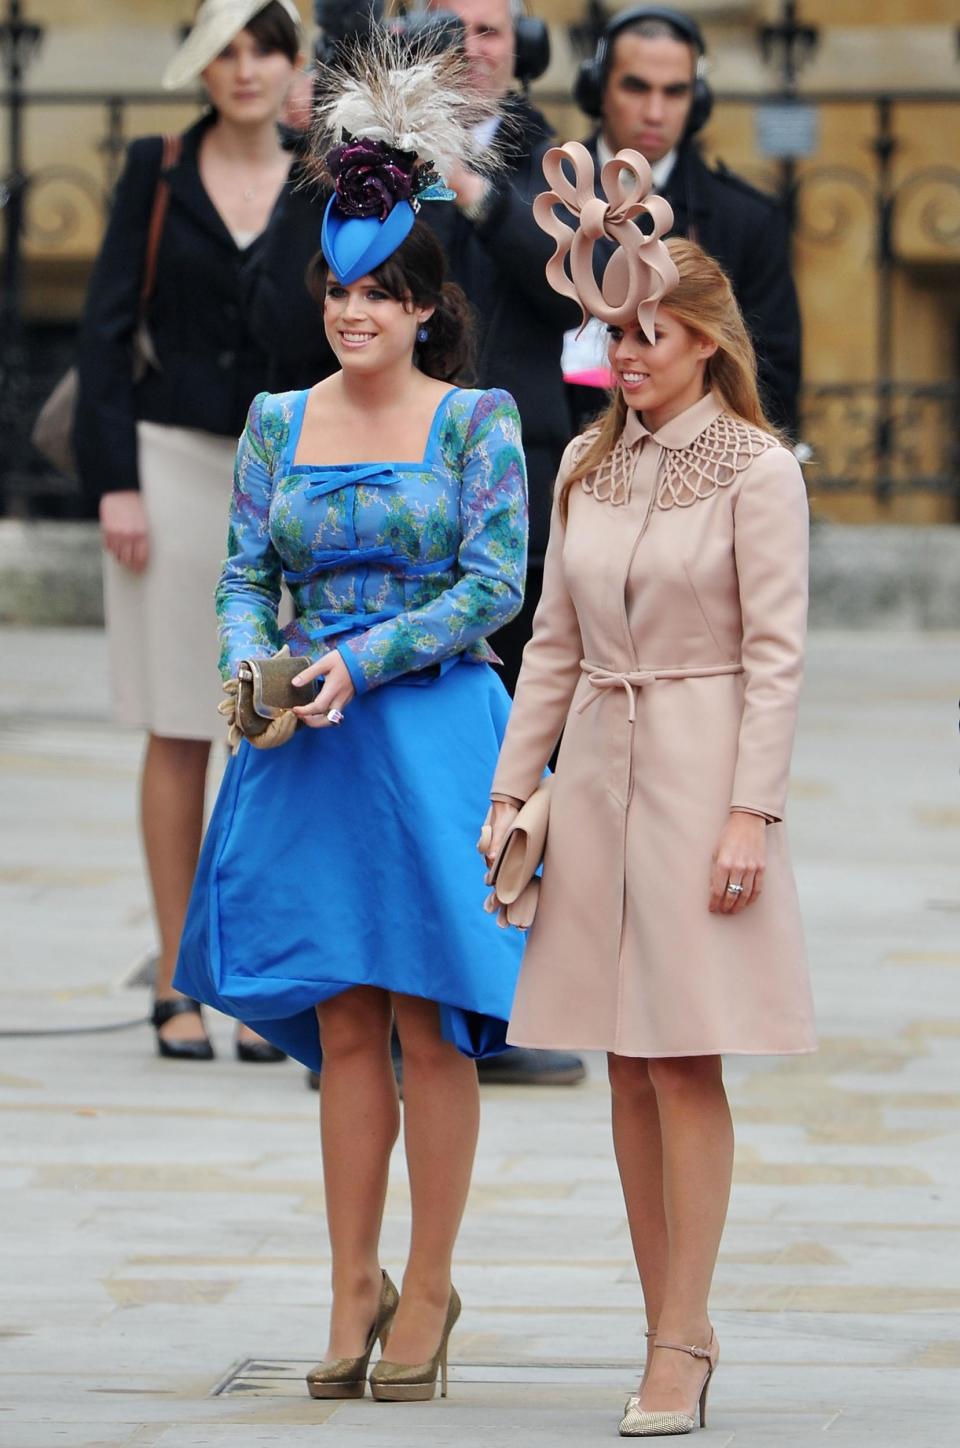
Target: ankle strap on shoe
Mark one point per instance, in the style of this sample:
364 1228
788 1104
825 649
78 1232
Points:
697 1352
164 1010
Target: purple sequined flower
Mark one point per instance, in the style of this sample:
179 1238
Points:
370 177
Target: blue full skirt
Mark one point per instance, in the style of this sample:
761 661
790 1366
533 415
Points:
348 857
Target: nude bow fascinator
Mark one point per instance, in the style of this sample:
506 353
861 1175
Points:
641 271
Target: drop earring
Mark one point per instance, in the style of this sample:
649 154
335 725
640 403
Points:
423 334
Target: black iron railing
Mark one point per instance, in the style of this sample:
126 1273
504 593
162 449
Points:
45 212
919 423
883 437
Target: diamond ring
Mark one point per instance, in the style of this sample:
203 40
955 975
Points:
336 716
734 889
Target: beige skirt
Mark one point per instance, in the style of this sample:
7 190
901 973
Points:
161 624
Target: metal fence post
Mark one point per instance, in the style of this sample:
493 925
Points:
19 43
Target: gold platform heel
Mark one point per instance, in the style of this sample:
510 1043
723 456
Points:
347 1377
640 1423
403 1383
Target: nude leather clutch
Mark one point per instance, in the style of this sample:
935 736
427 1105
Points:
513 874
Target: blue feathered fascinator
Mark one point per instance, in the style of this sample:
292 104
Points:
377 194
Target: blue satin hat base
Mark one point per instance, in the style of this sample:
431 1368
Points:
354 246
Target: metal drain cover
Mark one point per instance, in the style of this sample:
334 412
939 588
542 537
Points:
283 1378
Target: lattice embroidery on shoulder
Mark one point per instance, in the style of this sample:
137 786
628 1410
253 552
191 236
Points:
713 460
579 446
611 481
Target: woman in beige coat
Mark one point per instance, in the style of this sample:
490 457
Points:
668 649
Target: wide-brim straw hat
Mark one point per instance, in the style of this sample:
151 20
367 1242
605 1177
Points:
217 23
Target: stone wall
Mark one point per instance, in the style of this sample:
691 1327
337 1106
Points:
869 577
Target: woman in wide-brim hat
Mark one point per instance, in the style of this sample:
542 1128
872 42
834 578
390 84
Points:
155 445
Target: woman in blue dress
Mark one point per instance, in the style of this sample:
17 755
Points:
339 888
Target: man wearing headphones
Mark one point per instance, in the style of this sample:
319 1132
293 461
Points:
645 86
497 253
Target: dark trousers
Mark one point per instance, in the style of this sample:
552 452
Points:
510 643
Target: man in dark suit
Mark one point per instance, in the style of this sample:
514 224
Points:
497 253
646 88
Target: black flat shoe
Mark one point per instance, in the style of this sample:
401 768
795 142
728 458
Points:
258 1052
164 1011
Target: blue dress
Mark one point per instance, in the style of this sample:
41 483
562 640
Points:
347 856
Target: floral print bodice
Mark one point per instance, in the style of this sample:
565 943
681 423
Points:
399 566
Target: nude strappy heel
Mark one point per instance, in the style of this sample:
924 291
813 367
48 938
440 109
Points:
640 1423
649 1335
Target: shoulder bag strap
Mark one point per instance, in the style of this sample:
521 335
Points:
172 148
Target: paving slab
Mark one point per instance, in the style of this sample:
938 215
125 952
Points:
163 1254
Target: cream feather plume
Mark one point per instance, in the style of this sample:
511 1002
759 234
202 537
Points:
419 101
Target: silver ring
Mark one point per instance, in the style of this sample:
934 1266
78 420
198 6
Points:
336 716
734 889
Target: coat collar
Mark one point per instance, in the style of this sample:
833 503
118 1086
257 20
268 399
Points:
661 170
687 187
188 188
681 430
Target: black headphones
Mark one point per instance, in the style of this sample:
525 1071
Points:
592 74
531 40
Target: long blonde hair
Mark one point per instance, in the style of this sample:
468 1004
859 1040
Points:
703 301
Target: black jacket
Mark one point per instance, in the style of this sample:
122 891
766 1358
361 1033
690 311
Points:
500 265
520 319
746 232
200 320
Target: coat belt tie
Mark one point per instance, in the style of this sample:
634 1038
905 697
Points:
600 678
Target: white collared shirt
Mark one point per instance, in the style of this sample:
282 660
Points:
660 170
484 132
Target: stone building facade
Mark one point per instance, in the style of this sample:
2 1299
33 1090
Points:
877 247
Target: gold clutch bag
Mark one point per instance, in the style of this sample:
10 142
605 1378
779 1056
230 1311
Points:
513 874
265 691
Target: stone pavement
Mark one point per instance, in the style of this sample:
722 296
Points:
163 1254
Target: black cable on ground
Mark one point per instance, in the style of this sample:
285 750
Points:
77 1030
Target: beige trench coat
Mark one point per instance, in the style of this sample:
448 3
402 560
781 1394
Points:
668 647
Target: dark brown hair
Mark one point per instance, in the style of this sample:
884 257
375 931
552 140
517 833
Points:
273 29
704 302
415 274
